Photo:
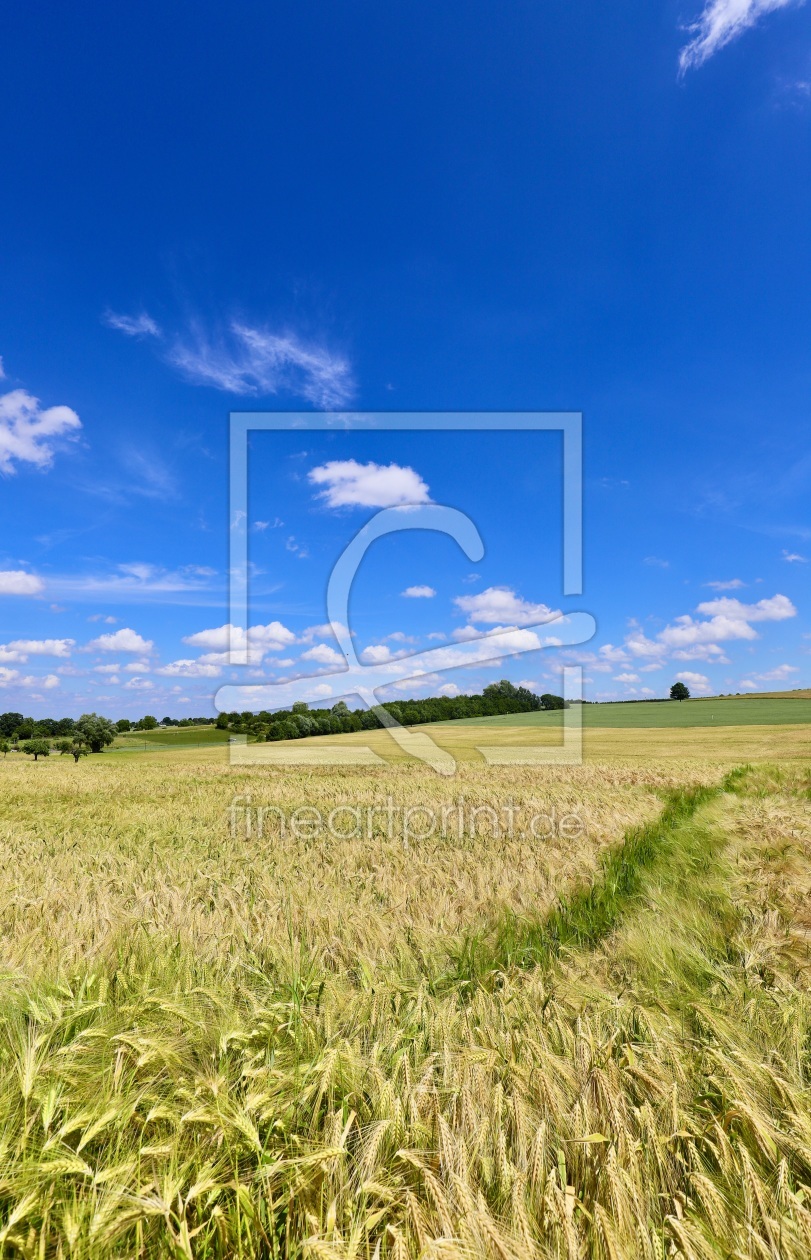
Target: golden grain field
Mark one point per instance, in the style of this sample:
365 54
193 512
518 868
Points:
356 1042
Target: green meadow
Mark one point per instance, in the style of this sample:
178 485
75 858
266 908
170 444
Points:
735 711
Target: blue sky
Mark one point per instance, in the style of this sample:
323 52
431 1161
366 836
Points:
405 207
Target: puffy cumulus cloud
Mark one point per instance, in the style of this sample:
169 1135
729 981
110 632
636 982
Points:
106 669
626 678
379 654
29 435
346 483
42 647
13 678
139 684
123 640
781 673
137 667
696 682
17 581
777 608
327 630
188 669
323 654
689 638
499 604
418 592
720 22
230 645
250 360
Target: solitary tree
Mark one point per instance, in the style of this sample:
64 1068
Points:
123 724
36 748
75 747
97 732
5 747
679 692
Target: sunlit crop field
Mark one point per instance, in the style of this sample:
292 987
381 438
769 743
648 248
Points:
372 1011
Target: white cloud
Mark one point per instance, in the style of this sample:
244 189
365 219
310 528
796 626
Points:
108 621
42 647
229 645
734 584
656 562
106 669
377 654
142 325
418 592
720 22
29 435
12 678
781 673
710 652
696 682
627 678
18 582
139 684
327 630
450 689
500 604
188 669
123 640
777 608
137 667
346 483
322 654
256 361
793 557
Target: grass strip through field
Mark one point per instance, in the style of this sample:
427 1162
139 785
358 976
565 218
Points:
587 917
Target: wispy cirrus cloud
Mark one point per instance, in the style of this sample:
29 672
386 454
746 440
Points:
141 325
253 361
719 23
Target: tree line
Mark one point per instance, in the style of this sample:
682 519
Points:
301 720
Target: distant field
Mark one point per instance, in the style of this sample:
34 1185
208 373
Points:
738 711
173 737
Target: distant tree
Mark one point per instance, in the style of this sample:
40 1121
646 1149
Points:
123 724
300 706
9 723
549 701
147 723
76 748
340 709
5 747
36 748
97 732
679 692
222 722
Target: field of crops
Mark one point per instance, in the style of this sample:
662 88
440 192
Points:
735 711
370 1012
